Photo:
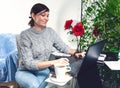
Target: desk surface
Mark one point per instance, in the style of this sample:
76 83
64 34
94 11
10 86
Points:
59 83
113 65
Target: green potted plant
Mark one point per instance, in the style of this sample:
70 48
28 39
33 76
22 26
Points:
108 22
104 16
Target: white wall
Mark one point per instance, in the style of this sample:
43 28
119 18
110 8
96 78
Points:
14 15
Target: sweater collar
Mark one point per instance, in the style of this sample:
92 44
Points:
37 31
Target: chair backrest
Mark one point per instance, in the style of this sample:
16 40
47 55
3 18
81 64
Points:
8 57
7 44
18 47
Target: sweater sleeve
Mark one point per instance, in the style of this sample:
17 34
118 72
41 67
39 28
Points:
26 52
59 44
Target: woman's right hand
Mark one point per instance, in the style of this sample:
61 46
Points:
62 61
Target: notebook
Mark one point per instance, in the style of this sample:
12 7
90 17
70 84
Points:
92 54
95 50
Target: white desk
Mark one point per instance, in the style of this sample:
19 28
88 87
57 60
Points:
53 83
113 65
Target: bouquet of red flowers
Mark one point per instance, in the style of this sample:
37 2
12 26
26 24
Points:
75 28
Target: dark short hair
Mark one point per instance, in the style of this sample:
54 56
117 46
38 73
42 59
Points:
36 9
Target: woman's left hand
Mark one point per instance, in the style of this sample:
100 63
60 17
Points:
80 55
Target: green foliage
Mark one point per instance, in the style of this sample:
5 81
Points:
106 15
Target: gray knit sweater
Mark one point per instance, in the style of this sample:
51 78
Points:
37 45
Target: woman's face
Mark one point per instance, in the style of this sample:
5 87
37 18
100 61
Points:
40 19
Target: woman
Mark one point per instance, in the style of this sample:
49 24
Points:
36 44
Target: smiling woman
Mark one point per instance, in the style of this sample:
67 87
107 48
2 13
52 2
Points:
36 45
15 18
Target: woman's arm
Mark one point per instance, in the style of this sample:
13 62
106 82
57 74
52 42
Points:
45 64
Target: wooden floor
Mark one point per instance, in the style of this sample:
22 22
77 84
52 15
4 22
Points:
11 84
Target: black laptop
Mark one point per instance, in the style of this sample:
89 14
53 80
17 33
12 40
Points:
92 54
90 59
88 75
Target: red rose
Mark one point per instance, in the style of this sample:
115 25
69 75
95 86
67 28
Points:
68 24
78 29
95 32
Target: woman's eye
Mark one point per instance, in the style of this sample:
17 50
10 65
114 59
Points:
43 15
47 15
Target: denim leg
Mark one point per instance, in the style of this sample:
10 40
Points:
35 79
26 79
42 75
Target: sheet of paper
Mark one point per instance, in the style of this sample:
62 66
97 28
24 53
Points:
102 57
113 65
60 54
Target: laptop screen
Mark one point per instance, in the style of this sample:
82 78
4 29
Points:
95 50
92 54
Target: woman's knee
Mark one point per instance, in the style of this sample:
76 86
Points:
26 80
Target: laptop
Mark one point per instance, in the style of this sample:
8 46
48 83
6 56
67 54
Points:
92 54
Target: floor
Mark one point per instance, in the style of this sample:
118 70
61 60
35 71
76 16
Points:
11 84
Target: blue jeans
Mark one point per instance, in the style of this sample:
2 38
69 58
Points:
32 79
